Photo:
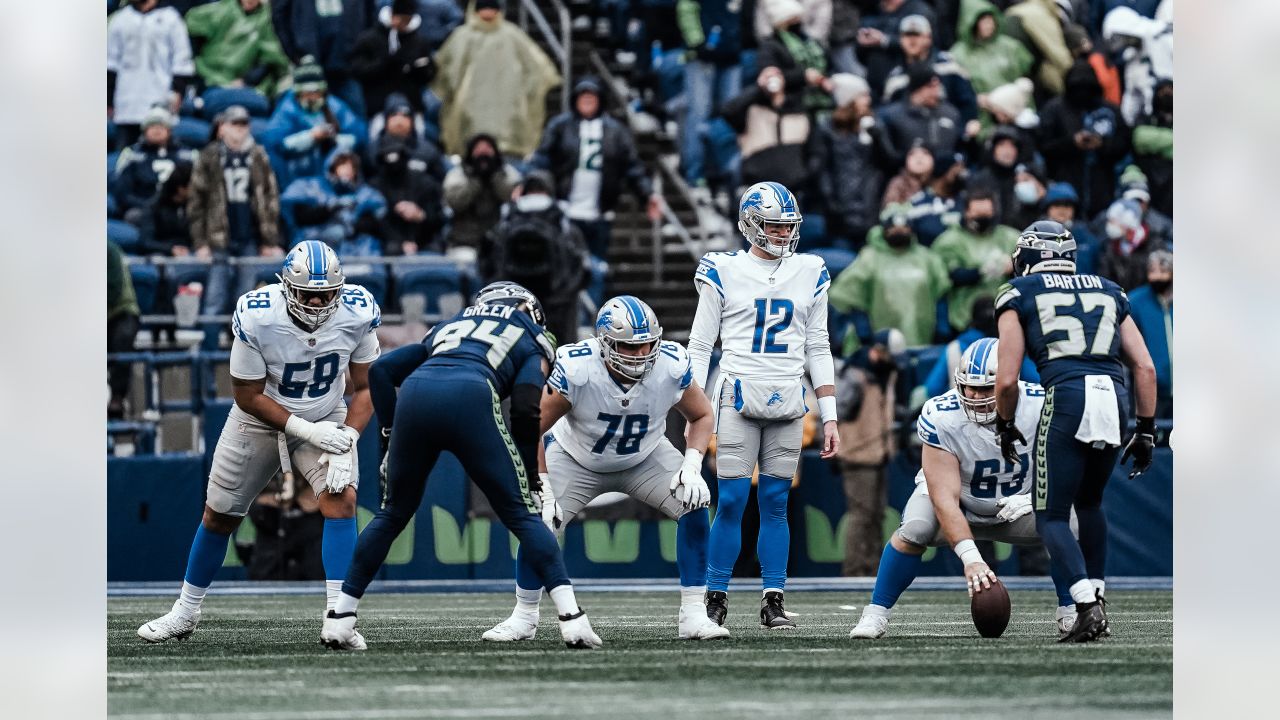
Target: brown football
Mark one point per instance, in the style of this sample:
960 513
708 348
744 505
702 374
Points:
991 610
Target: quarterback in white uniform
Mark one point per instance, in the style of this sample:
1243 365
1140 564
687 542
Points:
293 344
768 307
606 408
964 490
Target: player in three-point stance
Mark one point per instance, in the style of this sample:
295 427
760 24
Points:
1078 331
768 307
964 490
606 408
451 389
294 342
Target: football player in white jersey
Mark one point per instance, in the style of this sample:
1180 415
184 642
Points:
294 342
768 307
606 410
964 490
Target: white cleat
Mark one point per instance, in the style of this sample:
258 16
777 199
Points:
1065 618
873 624
520 626
695 625
339 632
177 624
577 633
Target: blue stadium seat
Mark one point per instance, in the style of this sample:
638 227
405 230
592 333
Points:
374 280
179 274
837 259
438 283
145 281
112 159
257 126
595 287
124 235
192 132
218 99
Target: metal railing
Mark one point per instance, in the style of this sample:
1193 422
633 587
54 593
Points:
561 47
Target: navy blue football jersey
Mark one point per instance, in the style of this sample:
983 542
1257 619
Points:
1071 323
502 343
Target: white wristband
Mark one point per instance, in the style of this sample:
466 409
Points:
693 459
297 427
827 408
968 552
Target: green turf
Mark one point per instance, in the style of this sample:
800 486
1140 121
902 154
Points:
259 657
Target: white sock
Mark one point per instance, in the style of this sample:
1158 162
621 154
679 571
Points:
1100 586
332 589
191 597
1082 592
345 603
880 610
769 590
527 600
692 595
566 603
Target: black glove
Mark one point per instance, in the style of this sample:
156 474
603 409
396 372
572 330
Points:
384 442
1140 446
1009 434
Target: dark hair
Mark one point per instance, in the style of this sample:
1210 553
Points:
982 192
179 178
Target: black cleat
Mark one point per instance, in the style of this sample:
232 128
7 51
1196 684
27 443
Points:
1091 622
772 614
1106 624
717 606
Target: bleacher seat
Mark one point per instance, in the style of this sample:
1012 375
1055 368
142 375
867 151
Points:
441 285
373 279
145 281
179 274
837 259
218 99
124 235
192 132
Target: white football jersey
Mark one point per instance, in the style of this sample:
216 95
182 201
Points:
611 427
985 476
306 372
767 305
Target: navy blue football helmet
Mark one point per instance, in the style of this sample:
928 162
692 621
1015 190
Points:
505 292
1045 246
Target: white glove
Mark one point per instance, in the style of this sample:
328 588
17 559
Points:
1013 507
341 470
688 486
552 513
326 435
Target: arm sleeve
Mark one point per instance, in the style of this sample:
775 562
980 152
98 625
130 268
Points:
817 346
705 330
386 375
246 362
526 414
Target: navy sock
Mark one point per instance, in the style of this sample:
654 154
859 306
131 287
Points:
774 542
692 532
726 532
539 549
1093 540
1064 551
896 573
1061 585
337 546
526 577
372 548
208 550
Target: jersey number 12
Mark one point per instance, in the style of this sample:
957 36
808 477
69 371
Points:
765 337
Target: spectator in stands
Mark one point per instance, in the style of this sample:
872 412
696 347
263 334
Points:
1080 46
977 254
1133 186
923 114
1082 137
1145 48
398 120
715 34
1011 172
849 162
1152 309
775 133
1008 106
1153 147
865 394
339 209
148 63
142 167
816 17
915 172
439 18
163 226
934 208
801 60
915 35
308 125
843 37
1028 194
1037 24
475 191
236 46
941 376
492 79
325 32
893 283
877 38
990 57
593 155
1128 243
1060 205
536 245
122 327
415 214
393 56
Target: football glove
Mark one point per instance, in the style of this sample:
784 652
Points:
1013 507
326 435
552 513
384 444
341 470
687 485
1140 446
1009 434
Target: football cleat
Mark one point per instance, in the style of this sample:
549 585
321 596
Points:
1106 624
1090 623
717 606
772 615
695 625
177 624
520 626
873 624
576 631
1065 617
339 632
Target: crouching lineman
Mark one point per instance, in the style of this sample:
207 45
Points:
768 306
606 406
294 342
968 490
451 389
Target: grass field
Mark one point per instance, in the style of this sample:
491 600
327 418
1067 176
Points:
258 657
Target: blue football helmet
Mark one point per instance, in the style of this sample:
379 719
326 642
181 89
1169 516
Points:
505 292
311 269
1045 246
977 369
628 320
770 204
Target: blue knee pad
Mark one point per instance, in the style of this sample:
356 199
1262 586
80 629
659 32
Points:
692 532
774 543
726 531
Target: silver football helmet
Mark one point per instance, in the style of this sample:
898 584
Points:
627 320
770 204
505 292
311 270
977 369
